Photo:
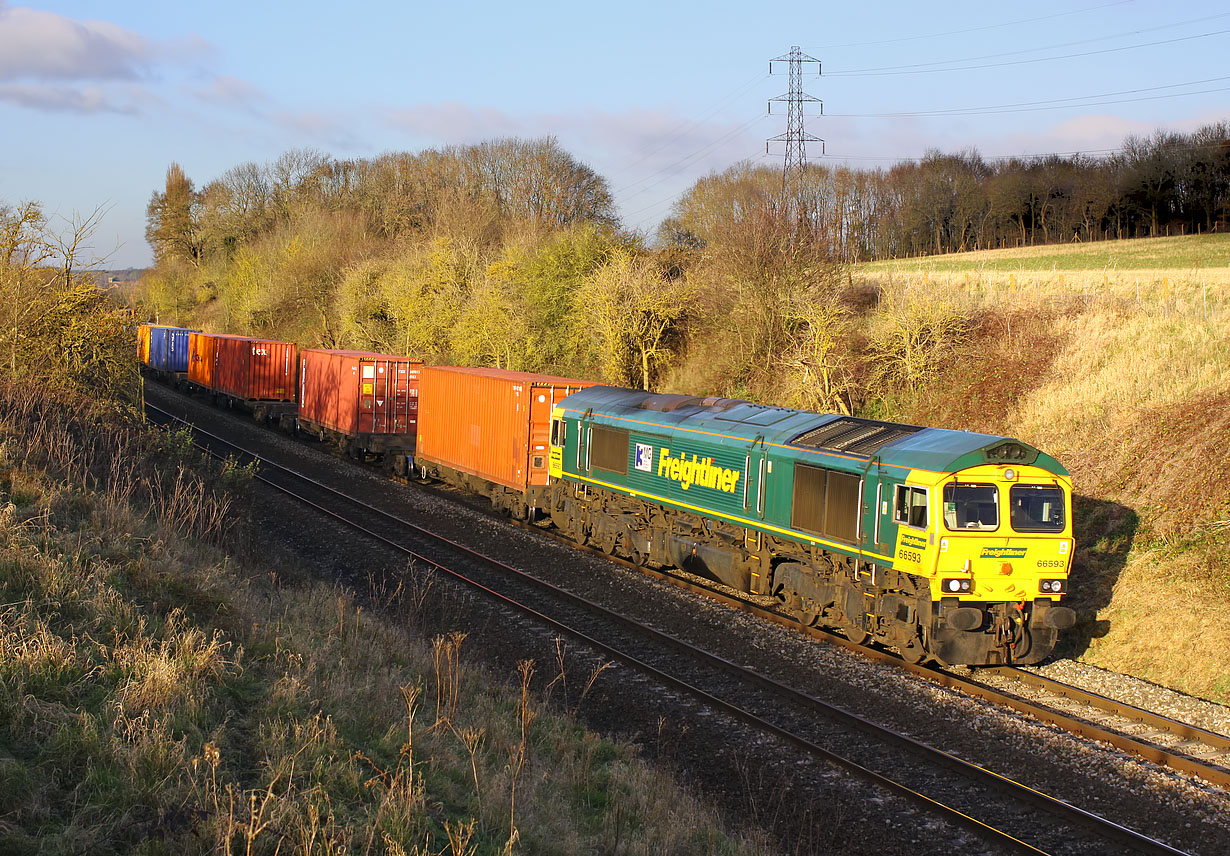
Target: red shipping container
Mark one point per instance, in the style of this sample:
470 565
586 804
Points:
373 397
490 423
243 367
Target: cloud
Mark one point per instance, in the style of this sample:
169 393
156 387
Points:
63 99
52 62
452 122
647 139
227 91
327 130
37 45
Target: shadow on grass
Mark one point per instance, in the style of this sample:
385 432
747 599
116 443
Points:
1104 533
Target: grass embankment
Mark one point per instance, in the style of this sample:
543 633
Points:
157 696
1128 383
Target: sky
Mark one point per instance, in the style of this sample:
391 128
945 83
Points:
98 99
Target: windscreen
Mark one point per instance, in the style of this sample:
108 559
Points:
971 507
1037 508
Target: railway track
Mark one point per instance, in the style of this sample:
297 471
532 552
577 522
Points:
997 809
1162 740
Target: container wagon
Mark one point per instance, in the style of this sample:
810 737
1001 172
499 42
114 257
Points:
368 403
240 371
163 348
488 431
167 351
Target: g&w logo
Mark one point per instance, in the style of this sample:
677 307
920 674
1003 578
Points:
644 457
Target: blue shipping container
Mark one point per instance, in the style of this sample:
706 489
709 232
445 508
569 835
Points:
168 348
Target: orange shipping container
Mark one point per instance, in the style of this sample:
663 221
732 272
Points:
202 359
359 394
243 367
490 423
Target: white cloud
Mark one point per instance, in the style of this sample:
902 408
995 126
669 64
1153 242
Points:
52 62
227 91
451 122
62 99
321 128
642 139
37 45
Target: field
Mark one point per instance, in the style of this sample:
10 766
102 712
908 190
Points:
1116 359
1189 255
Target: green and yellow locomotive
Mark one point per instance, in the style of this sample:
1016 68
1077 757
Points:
942 544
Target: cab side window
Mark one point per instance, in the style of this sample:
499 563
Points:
559 431
910 506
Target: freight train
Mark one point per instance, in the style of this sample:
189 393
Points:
943 545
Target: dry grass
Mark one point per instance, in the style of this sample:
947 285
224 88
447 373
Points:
1126 379
157 697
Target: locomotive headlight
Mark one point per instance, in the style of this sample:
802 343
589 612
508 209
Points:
1052 586
1009 474
955 586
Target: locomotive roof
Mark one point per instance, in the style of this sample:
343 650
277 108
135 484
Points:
847 442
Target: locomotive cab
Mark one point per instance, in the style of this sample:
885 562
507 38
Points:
1002 539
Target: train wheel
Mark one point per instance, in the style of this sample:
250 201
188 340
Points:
914 652
857 635
636 555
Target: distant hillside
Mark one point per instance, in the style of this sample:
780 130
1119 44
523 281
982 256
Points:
127 276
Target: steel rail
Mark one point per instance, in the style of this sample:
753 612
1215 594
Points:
1015 790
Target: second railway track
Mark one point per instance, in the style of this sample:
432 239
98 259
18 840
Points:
996 808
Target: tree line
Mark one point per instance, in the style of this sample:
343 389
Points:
509 253
1166 183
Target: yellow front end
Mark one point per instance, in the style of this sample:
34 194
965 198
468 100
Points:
1002 534
994 543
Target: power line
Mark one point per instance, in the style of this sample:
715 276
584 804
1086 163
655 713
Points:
971 29
887 73
679 130
901 159
703 150
1056 103
923 65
